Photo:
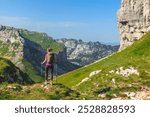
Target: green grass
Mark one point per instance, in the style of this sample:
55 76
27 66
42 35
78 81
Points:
43 40
4 48
4 66
36 92
34 75
9 70
137 55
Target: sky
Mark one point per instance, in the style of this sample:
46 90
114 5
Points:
89 20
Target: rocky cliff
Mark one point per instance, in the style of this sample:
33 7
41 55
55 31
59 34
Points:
133 21
26 50
83 53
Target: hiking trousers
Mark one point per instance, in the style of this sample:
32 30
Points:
47 69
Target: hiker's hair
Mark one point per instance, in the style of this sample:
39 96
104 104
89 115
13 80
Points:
49 49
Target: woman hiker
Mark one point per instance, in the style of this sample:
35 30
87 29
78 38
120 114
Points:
49 64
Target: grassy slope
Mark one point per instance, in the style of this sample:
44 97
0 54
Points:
4 52
30 92
8 69
36 92
43 40
137 55
34 75
4 66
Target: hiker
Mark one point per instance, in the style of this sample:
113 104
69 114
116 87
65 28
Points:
49 64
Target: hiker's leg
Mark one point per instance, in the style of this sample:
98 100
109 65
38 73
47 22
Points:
46 72
52 70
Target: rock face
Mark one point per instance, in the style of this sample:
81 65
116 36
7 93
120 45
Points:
133 21
17 49
83 53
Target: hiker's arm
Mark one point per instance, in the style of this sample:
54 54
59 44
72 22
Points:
43 61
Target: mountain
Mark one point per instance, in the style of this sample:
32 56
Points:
121 76
124 75
83 53
26 49
133 21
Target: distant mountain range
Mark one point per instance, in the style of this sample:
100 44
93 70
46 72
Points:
83 53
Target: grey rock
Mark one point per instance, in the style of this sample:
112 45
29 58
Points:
83 53
133 21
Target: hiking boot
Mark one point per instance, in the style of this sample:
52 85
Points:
51 83
45 83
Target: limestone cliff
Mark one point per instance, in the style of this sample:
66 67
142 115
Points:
133 21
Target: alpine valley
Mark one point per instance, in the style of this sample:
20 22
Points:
122 75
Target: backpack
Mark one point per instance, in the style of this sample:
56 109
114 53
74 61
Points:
50 58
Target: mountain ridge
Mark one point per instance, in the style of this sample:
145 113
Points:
84 53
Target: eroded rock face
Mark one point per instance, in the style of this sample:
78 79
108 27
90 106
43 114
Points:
83 53
133 21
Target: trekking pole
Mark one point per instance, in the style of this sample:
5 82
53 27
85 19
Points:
41 70
56 73
55 68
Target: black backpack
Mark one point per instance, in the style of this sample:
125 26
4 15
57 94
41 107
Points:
50 58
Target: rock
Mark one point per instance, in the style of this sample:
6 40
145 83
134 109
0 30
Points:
127 72
130 94
10 87
102 95
114 95
133 21
84 80
112 71
90 75
94 73
114 81
83 53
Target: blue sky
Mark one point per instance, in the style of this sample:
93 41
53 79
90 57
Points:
89 20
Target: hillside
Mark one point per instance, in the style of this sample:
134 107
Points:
124 75
83 53
9 73
42 39
37 92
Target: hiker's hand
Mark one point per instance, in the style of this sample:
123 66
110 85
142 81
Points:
42 63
